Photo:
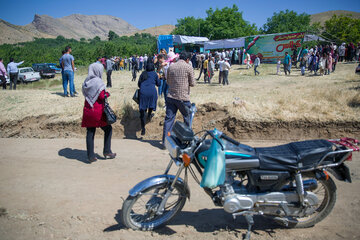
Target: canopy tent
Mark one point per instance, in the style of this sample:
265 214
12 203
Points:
189 39
168 41
313 37
225 43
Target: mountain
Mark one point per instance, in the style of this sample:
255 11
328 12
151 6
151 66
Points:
75 26
324 16
156 31
82 26
12 34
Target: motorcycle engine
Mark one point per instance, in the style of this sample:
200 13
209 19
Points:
233 202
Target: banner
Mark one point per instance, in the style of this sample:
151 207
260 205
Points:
273 46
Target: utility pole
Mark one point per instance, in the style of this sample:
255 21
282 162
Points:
199 29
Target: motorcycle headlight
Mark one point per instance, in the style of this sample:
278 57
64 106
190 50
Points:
172 147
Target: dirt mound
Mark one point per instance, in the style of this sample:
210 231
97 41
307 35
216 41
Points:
209 116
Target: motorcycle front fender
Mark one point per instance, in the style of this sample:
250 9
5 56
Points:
157 180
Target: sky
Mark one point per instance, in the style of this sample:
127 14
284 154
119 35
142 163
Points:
147 13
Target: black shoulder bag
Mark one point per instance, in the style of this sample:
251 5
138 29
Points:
136 96
109 113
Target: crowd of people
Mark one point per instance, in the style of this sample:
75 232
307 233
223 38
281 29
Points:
320 59
173 75
170 70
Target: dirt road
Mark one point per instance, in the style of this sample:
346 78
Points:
47 191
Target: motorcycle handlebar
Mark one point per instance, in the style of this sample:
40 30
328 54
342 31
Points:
227 138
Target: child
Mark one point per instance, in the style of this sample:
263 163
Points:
256 65
302 65
278 66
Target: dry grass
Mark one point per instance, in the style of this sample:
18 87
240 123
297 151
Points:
267 97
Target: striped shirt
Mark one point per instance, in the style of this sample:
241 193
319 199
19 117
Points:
180 77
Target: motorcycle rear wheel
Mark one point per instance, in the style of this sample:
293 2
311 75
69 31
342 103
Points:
325 206
138 212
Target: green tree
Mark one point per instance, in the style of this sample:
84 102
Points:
49 50
189 26
112 35
227 23
342 28
288 21
222 23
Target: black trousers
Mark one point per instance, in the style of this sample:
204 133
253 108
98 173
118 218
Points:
108 78
255 70
133 75
90 134
143 117
13 80
3 82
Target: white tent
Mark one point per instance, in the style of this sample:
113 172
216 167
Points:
189 39
312 37
225 43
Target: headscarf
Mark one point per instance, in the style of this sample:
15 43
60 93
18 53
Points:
150 67
93 84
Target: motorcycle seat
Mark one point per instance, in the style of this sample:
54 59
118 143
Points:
293 156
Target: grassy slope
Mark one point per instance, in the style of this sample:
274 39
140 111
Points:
323 16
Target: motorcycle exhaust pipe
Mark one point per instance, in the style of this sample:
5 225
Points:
310 185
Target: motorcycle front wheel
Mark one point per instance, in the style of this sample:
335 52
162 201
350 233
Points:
139 212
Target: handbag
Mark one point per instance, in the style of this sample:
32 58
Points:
136 96
109 113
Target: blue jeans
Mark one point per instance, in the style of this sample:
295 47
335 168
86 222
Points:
255 70
172 106
302 70
68 78
163 88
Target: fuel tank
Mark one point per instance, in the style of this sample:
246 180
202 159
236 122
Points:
238 157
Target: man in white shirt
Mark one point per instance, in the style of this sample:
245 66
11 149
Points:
145 61
223 54
226 68
221 62
211 68
256 64
13 72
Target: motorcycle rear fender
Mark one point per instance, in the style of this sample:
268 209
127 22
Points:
157 180
341 173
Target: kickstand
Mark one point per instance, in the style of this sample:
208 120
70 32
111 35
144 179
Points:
250 221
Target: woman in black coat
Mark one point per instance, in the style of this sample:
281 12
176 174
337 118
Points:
147 94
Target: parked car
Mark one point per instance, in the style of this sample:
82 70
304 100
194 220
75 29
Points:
44 70
55 67
28 74
25 75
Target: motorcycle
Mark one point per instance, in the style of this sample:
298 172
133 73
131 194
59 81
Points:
288 183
